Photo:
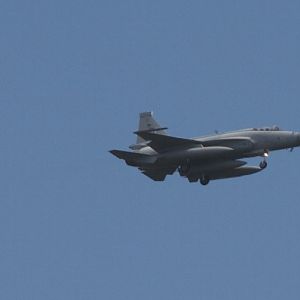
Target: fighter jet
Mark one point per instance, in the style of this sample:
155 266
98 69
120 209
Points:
202 159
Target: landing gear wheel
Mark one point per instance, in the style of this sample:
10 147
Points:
263 164
204 180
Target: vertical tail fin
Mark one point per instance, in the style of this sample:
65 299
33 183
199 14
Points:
146 123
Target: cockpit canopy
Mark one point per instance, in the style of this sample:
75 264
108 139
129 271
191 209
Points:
273 128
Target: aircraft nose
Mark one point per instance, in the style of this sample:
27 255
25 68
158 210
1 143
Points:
298 137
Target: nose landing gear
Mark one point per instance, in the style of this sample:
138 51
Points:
263 164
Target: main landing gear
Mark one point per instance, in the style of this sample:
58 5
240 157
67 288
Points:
204 180
184 168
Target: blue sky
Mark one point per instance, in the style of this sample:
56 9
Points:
75 222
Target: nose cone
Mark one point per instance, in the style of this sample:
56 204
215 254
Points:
298 138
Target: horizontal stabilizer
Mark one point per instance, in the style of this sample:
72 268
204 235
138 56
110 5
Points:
163 142
133 157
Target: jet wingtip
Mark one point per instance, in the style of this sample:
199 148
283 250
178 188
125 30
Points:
114 152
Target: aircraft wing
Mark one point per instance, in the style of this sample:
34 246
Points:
160 142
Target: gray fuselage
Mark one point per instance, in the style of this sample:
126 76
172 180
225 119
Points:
242 143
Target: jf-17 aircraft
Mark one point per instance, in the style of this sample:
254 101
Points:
205 158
